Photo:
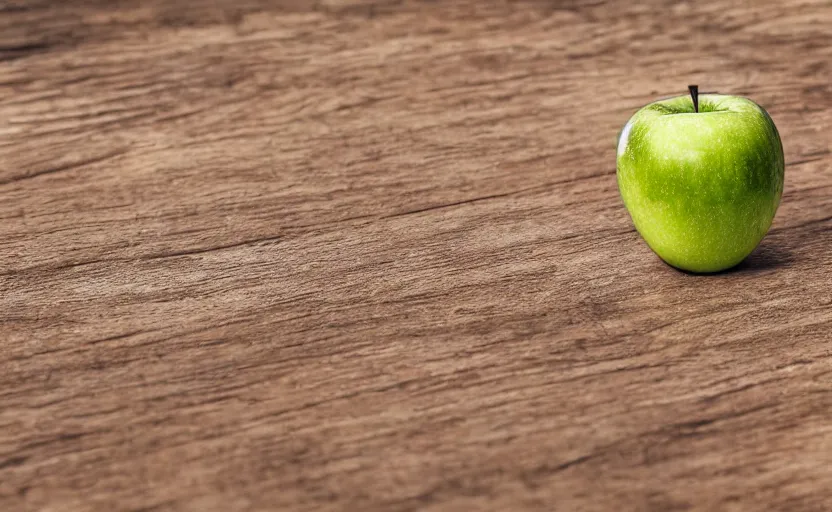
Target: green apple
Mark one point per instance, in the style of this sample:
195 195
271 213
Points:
702 184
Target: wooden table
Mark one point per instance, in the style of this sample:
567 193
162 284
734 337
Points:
371 256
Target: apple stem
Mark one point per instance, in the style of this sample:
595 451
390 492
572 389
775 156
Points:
694 94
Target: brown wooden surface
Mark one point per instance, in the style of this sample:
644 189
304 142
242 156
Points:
370 256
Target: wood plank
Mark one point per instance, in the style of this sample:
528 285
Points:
370 255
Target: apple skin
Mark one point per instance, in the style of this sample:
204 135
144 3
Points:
701 187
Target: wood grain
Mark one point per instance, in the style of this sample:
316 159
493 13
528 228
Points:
352 255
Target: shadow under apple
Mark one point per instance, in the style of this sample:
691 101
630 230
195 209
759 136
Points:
768 255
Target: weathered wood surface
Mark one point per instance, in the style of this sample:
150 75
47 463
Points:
345 255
